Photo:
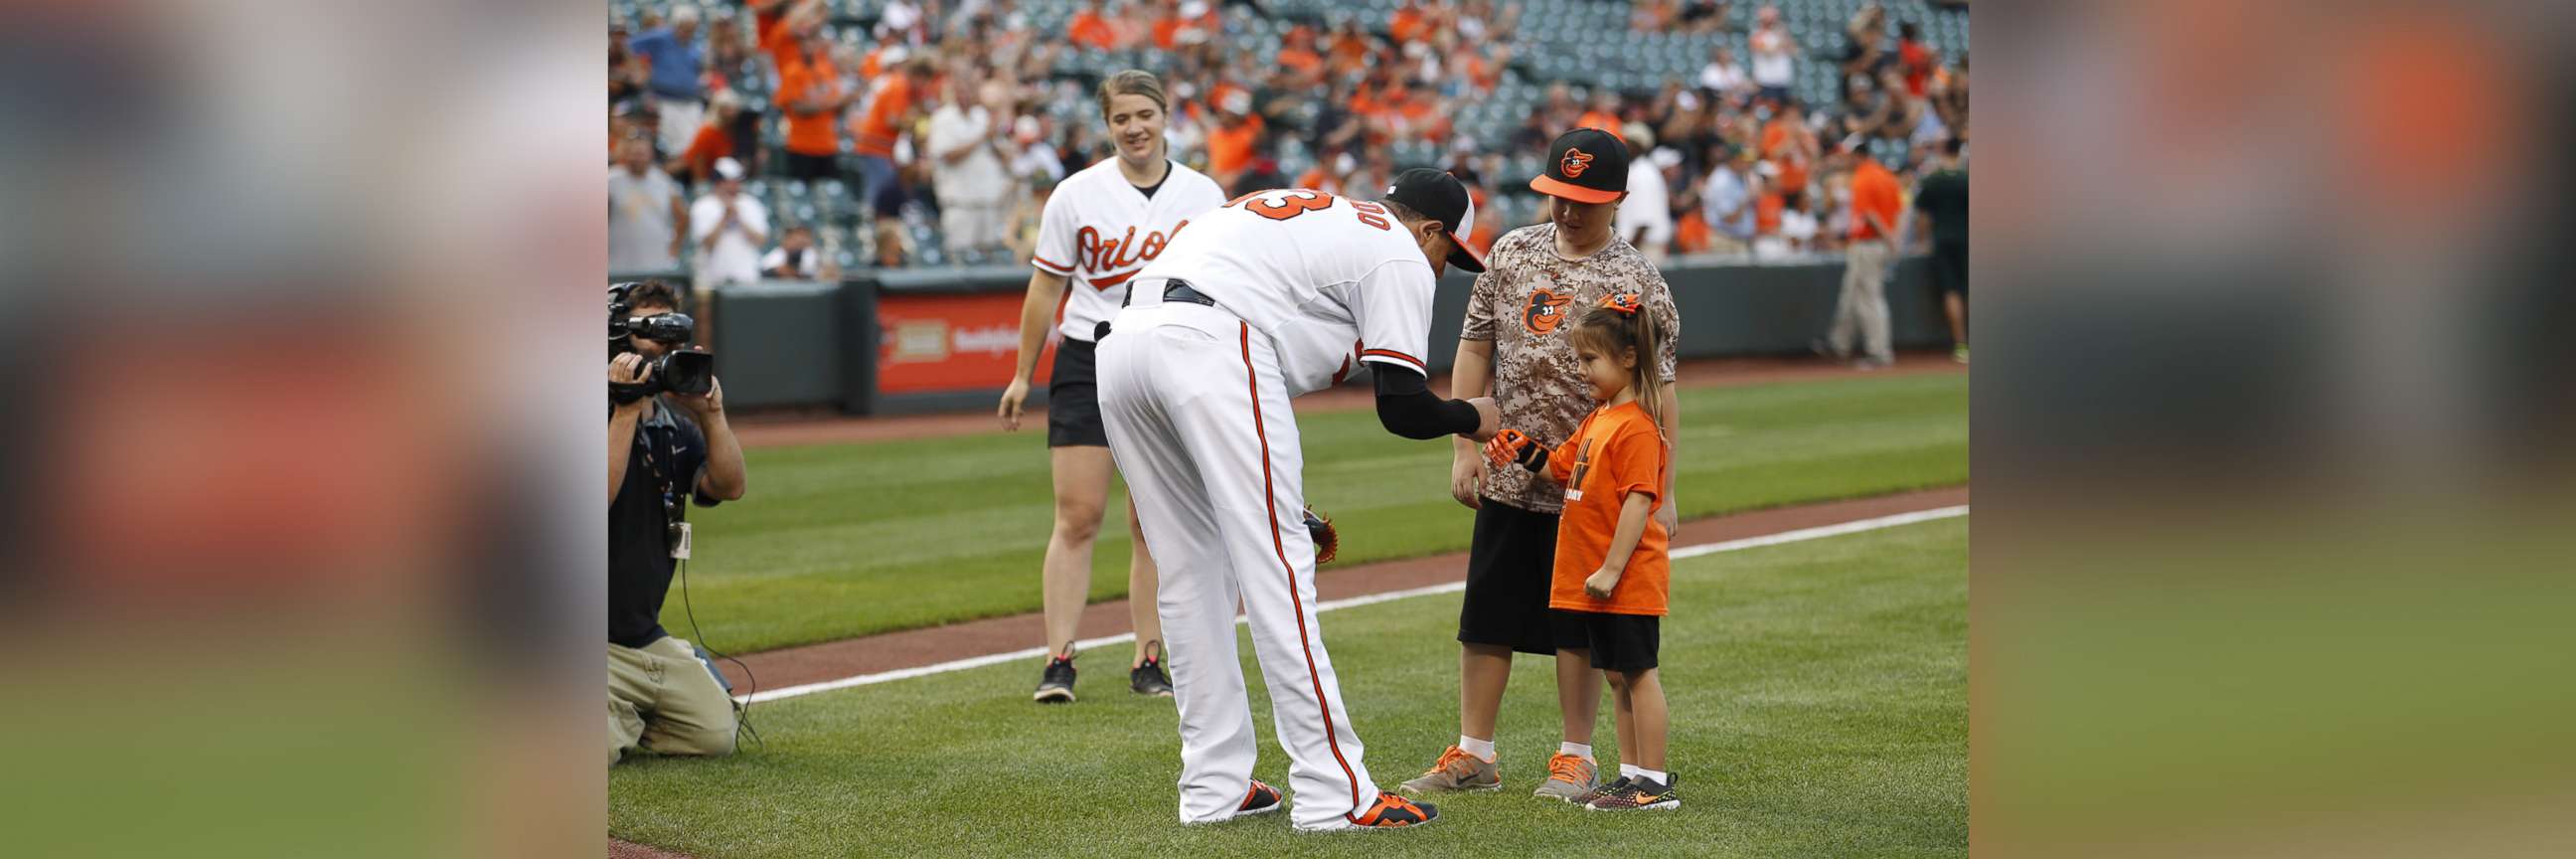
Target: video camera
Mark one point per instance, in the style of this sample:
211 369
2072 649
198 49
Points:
680 371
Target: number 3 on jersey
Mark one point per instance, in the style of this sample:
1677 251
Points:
1299 201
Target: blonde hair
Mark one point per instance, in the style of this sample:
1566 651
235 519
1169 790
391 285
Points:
1642 332
1133 82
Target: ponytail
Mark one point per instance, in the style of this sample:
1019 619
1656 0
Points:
1622 322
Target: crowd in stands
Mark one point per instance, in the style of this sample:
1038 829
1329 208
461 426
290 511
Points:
931 131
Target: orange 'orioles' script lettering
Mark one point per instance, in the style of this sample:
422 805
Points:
1097 254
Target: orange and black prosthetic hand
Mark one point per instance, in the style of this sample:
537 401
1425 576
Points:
1513 447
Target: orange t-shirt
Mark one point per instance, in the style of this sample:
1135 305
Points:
1299 60
1766 212
1691 234
876 130
1230 148
1405 26
1597 119
1349 53
1873 189
810 133
1090 31
1617 450
1167 33
784 48
1775 146
709 145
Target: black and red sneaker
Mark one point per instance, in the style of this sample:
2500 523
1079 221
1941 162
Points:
1149 678
1056 685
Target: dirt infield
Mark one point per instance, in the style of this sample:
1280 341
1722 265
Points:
631 850
814 663
784 429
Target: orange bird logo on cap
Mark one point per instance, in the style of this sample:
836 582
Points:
1576 161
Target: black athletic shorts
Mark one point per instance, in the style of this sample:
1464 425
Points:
1073 397
1950 269
1625 643
1510 562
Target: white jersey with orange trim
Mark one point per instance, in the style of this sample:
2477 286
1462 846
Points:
1314 271
1098 231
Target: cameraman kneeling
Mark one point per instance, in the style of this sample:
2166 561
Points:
661 695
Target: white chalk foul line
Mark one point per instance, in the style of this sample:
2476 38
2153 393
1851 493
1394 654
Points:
1819 532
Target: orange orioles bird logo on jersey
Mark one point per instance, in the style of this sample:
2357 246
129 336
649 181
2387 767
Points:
1544 312
1576 161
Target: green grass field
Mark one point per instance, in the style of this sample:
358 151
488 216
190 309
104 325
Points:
1818 692
846 540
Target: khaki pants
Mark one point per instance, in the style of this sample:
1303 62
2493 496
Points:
1862 309
662 699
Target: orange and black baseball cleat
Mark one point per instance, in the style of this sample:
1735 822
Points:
1395 812
1261 799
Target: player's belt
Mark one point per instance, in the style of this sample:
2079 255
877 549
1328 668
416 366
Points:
1179 290
1173 290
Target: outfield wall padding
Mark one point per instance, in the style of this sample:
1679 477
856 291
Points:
820 344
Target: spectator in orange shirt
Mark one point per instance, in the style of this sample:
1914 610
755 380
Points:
1408 23
1298 57
1230 145
714 140
889 51
1788 144
1331 163
783 37
1876 203
1091 31
1604 114
1167 24
1350 49
1914 56
811 94
893 107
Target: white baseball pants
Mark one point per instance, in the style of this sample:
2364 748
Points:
1199 424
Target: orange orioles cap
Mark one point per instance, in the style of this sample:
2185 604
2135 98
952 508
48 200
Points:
1586 165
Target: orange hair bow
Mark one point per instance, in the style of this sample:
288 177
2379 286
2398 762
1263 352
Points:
1625 303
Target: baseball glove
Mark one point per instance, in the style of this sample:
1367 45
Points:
1328 540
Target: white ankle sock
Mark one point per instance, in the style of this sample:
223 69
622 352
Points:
1658 776
1580 750
1629 770
1482 749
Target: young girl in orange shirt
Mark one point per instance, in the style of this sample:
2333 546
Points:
1611 569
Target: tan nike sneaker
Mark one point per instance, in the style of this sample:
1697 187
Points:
1568 776
1456 770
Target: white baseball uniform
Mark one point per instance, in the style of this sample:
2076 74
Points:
1098 231
1195 399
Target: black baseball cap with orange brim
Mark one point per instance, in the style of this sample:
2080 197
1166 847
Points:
1586 165
1441 197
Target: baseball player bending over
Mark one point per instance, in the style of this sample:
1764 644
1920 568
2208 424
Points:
1273 295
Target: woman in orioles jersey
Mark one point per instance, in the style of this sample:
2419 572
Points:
1102 224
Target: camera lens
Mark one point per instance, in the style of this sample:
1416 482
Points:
690 373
